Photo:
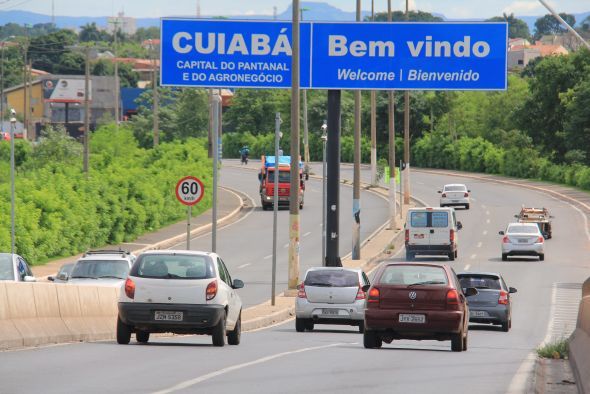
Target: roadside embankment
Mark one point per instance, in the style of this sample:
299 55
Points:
579 343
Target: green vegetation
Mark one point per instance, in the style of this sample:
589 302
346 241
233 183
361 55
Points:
557 349
129 191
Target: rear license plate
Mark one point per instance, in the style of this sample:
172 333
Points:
419 236
522 241
330 312
168 316
283 198
411 318
478 313
455 200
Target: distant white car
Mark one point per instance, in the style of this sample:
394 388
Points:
182 292
455 194
522 239
100 268
14 268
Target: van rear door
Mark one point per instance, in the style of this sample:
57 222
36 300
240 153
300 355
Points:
441 226
419 233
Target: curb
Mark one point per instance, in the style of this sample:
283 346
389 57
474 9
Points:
268 320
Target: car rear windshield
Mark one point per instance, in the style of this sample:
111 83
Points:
413 275
429 219
6 268
97 269
455 188
480 281
523 230
174 266
332 278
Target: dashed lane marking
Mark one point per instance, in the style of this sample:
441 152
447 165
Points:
307 233
467 267
267 257
479 244
473 256
488 221
485 232
244 265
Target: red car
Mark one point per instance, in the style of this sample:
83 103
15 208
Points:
416 301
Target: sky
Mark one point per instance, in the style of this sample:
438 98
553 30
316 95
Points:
476 9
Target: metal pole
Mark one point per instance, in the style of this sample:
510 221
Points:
560 19
374 179
2 86
295 180
156 100
324 210
116 75
25 116
87 111
189 214
29 126
356 183
305 125
407 135
215 110
333 187
12 197
275 204
391 127
401 187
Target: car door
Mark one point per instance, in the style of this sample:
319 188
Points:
232 298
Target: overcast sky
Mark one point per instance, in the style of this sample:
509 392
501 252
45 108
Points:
158 8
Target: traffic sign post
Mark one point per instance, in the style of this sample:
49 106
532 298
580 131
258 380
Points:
189 191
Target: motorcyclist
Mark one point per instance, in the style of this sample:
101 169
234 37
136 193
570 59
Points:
244 152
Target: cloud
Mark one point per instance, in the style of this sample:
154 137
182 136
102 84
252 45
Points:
523 7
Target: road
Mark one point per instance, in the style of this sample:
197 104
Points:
332 359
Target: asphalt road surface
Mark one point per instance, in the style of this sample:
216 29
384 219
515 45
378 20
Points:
332 359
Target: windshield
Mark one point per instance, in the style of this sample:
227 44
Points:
523 230
96 269
6 267
174 266
332 278
455 188
480 282
413 275
284 176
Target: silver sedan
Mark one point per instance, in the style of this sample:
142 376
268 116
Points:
331 295
522 239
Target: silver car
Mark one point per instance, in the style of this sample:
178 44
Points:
522 239
14 268
102 268
331 295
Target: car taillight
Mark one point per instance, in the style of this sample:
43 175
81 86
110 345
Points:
466 195
407 236
130 288
211 291
503 298
452 297
301 292
444 195
373 295
360 295
540 240
506 240
452 236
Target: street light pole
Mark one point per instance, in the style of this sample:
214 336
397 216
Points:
12 195
155 97
391 126
87 110
407 135
275 204
305 125
374 180
356 183
324 140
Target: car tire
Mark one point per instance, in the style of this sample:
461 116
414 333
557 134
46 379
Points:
301 206
466 206
218 334
371 340
457 342
234 336
309 324
142 336
299 324
456 253
465 342
452 256
362 327
504 257
506 326
123 332
542 257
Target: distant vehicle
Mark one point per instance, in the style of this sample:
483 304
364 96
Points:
14 268
331 295
416 301
539 216
492 305
431 231
266 176
182 292
62 275
101 268
455 194
522 239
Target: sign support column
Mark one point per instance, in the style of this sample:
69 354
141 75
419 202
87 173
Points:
333 195
356 183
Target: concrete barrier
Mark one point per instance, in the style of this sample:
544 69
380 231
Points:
48 314
579 343
9 336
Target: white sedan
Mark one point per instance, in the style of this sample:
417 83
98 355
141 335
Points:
14 268
523 239
455 194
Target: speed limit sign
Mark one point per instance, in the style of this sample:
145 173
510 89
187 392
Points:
189 190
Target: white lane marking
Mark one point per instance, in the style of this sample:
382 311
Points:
420 183
483 206
467 267
473 256
307 233
272 326
485 232
189 383
488 213
267 257
473 199
583 217
488 221
286 246
244 265
479 244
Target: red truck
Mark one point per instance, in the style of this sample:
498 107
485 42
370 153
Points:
266 178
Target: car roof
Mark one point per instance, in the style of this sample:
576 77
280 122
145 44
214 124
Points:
454 184
178 251
523 224
422 264
480 273
334 269
105 257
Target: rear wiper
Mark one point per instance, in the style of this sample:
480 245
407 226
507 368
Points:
319 284
110 276
428 282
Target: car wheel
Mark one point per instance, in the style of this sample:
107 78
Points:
452 256
465 342
123 332
299 325
457 342
466 206
504 257
301 206
362 327
309 325
371 339
456 254
218 333
142 336
234 336
542 257
506 326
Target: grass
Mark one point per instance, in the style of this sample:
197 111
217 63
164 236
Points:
557 349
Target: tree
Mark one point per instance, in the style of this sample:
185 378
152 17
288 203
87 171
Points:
90 33
127 77
46 52
577 123
517 28
548 25
145 33
399 16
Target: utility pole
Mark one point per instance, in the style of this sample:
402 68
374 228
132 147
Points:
87 110
391 127
305 125
356 187
155 96
116 23
294 224
25 80
374 179
560 19
407 135
29 126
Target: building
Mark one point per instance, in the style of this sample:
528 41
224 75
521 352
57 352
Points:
519 56
143 67
124 24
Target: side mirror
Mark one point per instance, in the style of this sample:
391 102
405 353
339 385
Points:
51 278
516 216
471 291
238 284
512 290
63 276
501 232
29 279
366 288
440 191
459 225
468 191
545 235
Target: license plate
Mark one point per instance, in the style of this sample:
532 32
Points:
478 313
283 198
522 241
168 316
411 318
419 236
330 312
455 200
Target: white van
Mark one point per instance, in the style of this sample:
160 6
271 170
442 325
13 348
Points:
431 231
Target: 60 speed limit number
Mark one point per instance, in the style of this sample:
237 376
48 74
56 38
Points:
189 190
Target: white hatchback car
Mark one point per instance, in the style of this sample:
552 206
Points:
182 292
455 194
331 295
523 239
